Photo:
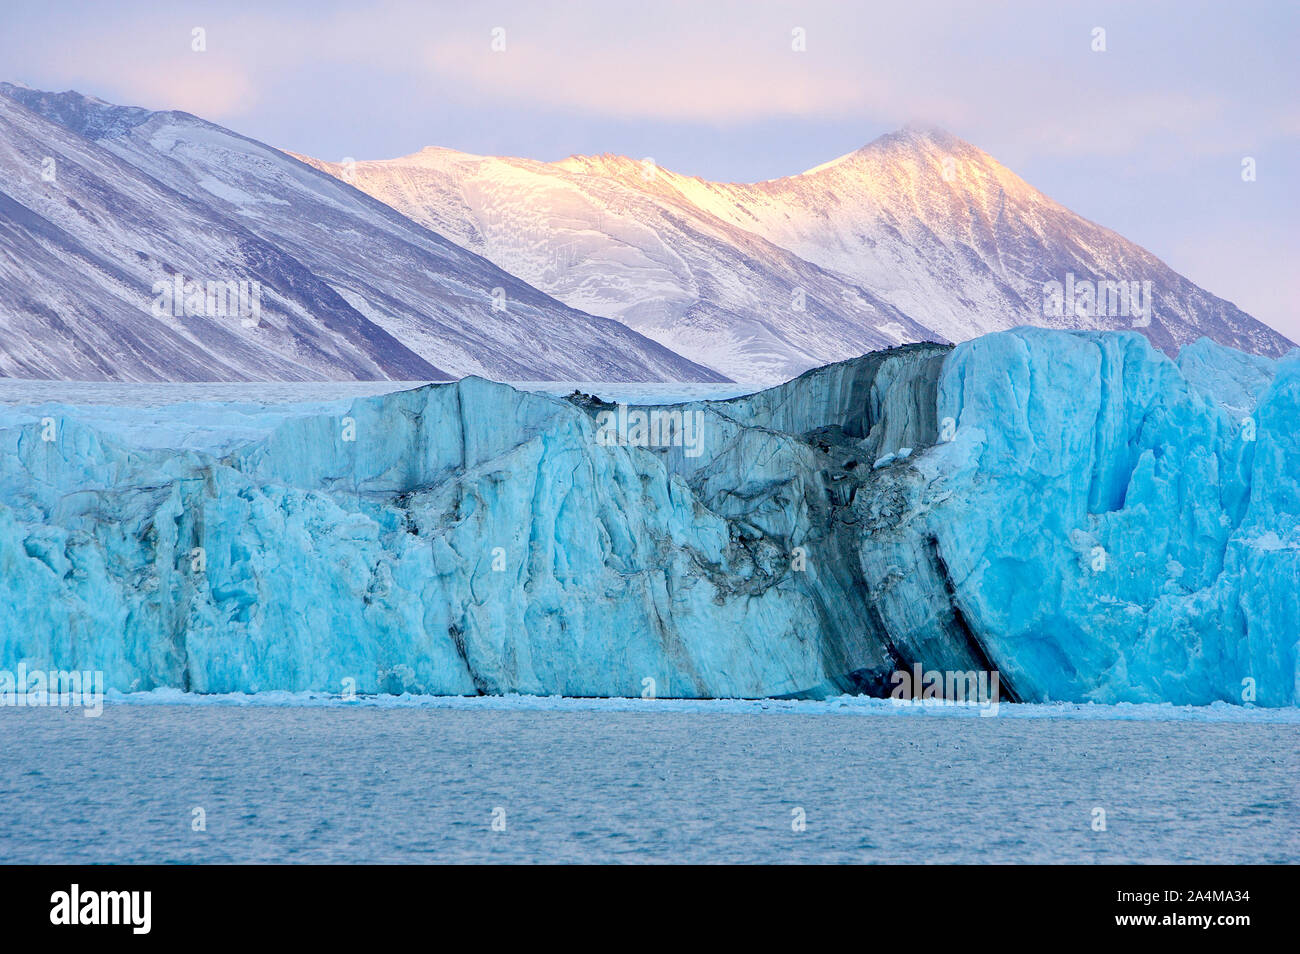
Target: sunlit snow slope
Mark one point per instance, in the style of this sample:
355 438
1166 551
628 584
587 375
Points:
917 236
614 237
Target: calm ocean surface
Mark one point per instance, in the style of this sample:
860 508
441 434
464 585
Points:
425 784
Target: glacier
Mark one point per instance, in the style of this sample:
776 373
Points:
1096 521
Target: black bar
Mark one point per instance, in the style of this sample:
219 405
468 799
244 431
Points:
939 905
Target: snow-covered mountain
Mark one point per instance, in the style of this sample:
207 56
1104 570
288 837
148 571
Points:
100 202
965 246
614 237
917 235
443 264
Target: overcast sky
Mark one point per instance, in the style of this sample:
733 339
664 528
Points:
1146 137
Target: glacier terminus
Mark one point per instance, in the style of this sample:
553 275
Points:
1077 511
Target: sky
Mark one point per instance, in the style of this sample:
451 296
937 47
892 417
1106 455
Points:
1146 135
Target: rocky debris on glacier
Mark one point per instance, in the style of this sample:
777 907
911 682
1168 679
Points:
1077 511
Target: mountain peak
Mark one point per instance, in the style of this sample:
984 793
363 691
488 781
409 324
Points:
85 115
435 156
920 142
925 134
604 164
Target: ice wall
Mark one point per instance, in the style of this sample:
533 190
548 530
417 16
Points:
1105 528
1074 509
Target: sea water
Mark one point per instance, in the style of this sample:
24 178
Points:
312 779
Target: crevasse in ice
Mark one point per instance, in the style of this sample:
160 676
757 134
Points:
1092 519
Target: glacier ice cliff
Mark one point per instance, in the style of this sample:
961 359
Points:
1075 509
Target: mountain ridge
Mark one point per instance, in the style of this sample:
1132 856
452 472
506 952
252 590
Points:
443 263
434 310
917 222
